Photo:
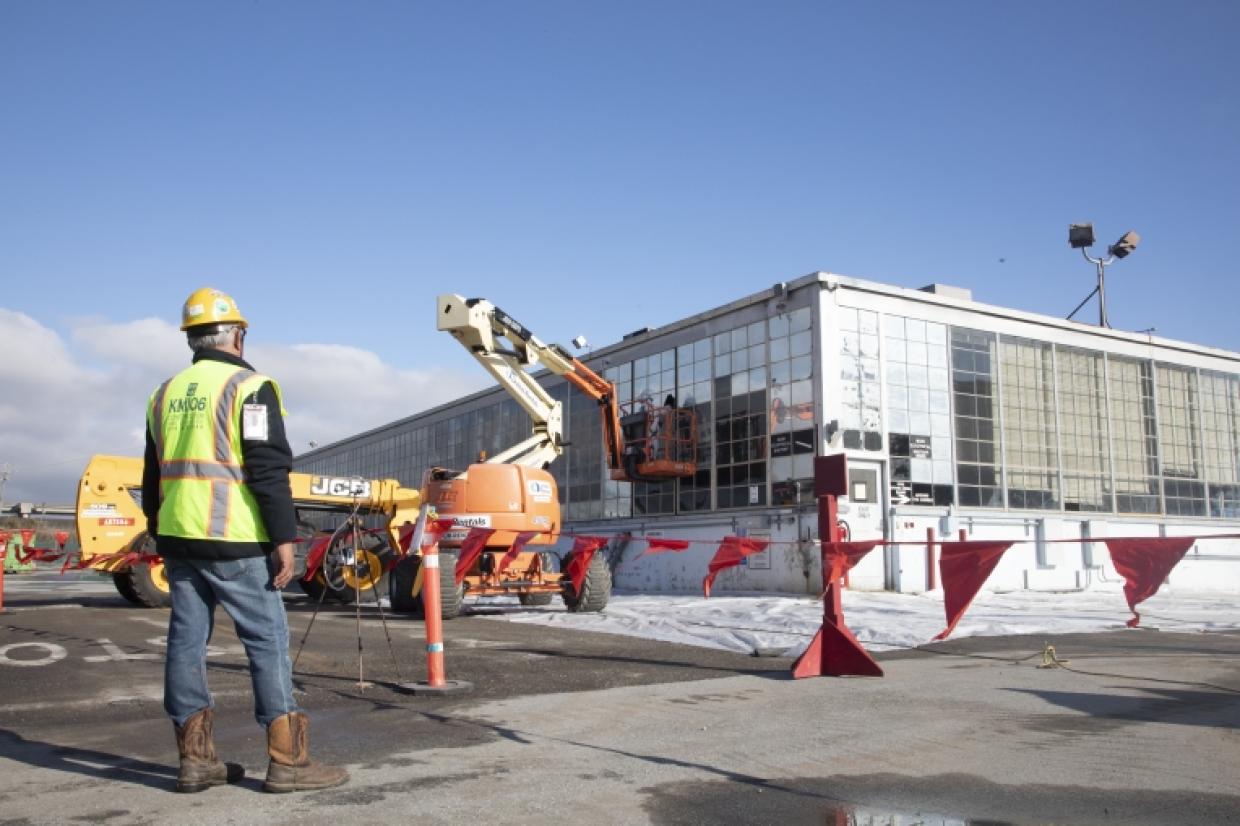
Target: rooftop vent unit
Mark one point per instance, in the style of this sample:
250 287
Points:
948 291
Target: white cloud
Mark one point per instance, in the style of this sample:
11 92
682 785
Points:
65 398
332 391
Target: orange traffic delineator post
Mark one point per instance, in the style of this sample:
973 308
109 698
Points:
834 651
435 682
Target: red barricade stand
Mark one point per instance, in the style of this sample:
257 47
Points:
834 651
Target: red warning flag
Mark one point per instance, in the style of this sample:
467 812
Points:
432 532
731 551
314 557
658 545
964 567
518 546
471 549
62 538
838 558
27 537
1145 564
579 558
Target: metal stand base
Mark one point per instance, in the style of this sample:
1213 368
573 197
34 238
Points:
835 652
426 689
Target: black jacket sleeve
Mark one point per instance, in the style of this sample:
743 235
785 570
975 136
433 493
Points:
150 485
267 465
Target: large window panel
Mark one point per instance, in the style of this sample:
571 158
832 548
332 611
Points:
1220 430
693 389
618 496
1084 432
1134 439
791 421
654 385
1179 439
740 398
918 412
860 398
1029 427
977 437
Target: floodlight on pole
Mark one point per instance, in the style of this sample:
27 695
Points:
1081 237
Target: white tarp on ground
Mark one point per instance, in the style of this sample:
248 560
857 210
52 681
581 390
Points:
881 621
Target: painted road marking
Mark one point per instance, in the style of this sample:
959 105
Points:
54 654
115 653
112 652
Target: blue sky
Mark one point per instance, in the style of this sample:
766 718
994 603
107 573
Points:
598 167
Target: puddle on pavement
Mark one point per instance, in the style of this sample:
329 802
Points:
864 816
889 799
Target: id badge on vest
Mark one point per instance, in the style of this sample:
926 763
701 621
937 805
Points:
254 422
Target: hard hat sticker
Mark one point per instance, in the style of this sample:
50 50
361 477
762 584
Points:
221 306
194 310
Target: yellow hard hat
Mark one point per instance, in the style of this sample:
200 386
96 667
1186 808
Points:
208 306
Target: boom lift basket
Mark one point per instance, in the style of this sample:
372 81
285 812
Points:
659 443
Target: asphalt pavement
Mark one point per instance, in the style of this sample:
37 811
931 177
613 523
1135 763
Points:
572 727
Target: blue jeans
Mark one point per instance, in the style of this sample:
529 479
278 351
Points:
243 587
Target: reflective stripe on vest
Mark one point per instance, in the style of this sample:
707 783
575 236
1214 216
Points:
202 481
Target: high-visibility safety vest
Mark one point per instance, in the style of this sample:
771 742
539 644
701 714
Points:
195 420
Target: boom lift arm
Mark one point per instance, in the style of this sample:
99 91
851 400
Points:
506 348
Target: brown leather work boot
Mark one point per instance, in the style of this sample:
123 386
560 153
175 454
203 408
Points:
291 769
200 767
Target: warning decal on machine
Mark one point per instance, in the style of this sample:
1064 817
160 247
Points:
539 490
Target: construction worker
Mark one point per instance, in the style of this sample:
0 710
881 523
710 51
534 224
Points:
215 491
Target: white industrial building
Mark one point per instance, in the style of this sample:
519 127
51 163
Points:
955 415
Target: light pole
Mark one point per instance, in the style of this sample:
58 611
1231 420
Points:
1081 236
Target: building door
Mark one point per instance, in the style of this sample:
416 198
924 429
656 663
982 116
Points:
862 512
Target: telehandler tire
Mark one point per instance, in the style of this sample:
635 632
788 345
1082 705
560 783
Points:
141 583
317 585
595 588
121 580
150 584
342 585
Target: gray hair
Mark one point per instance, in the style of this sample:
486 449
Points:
210 338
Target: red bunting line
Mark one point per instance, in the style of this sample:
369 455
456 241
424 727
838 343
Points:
964 567
1145 564
518 545
731 551
658 545
840 558
471 549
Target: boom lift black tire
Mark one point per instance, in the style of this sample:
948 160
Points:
121 580
531 600
401 582
595 588
451 595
